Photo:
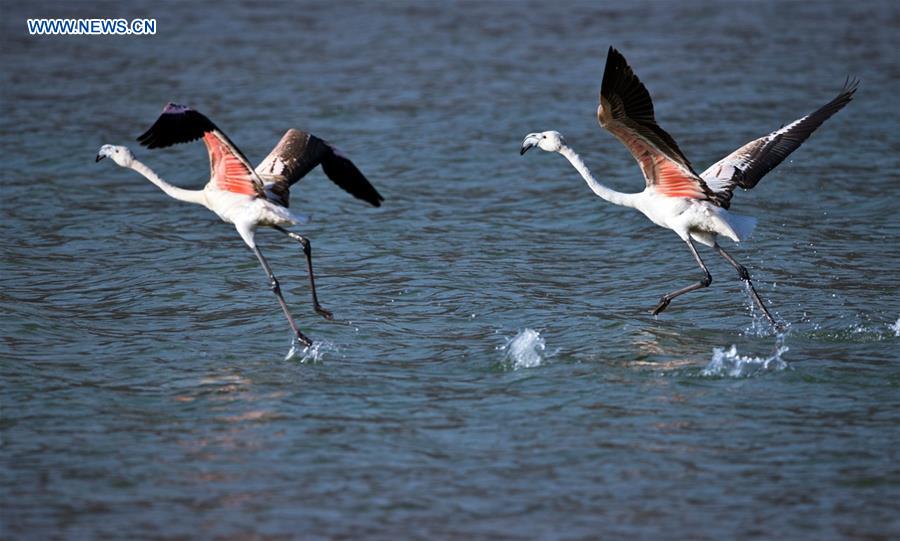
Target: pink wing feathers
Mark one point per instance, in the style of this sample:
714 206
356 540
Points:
229 169
626 110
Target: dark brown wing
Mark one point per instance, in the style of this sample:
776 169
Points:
626 110
746 166
298 153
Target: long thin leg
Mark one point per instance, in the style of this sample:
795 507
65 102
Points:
276 289
307 249
707 279
745 276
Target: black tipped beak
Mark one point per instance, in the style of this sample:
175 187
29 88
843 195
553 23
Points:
525 148
99 157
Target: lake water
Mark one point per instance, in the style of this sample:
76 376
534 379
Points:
492 371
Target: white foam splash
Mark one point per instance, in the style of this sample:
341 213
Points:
760 324
312 354
728 363
861 330
524 350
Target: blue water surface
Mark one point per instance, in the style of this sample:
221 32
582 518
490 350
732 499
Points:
493 371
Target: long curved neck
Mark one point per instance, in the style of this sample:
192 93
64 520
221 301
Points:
617 198
189 196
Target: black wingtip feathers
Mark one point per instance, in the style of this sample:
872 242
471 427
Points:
176 124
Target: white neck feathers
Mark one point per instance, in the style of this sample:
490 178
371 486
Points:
189 196
614 197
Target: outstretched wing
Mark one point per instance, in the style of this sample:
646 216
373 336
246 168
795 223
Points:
229 169
626 110
298 153
747 165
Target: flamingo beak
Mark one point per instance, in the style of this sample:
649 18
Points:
99 157
530 141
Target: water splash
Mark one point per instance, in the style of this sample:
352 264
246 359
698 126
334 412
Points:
760 325
311 354
524 350
860 331
728 363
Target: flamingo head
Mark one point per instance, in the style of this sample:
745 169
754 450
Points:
119 154
551 141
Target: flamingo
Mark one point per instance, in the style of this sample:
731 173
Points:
247 197
694 206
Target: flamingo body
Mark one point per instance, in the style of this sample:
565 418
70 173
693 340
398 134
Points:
693 218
